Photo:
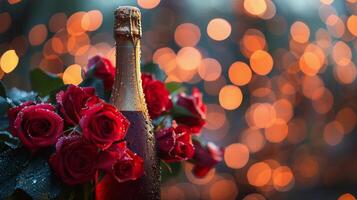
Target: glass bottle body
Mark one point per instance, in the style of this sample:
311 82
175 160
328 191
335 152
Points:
128 97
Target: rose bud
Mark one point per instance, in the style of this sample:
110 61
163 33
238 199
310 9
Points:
122 163
103 124
37 126
75 160
72 101
103 69
196 107
174 143
157 97
12 114
205 158
129 167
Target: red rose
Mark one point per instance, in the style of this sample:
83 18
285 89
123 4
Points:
206 158
37 125
146 79
196 107
174 143
75 160
122 163
103 124
72 101
157 97
129 167
12 114
104 70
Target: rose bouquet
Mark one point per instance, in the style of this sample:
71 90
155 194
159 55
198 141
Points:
57 139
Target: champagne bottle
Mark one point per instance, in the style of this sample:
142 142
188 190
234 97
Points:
128 97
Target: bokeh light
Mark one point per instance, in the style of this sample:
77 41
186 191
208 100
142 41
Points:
327 2
333 133
263 115
345 74
73 75
230 97
278 79
341 53
259 174
346 196
5 19
284 109
188 58
335 26
240 73
215 117
210 69
236 155
38 34
187 34
261 62
223 189
219 29
74 24
92 20
252 40
255 7
9 61
352 24
199 181
14 1
253 139
347 118
254 196
322 101
277 131
148 4
300 32
282 177
309 63
57 22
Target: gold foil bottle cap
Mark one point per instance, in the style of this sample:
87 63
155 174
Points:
127 22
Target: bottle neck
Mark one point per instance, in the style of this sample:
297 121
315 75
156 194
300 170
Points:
127 94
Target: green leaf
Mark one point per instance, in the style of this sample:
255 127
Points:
173 87
2 90
38 181
53 93
9 140
90 72
97 84
155 70
12 162
21 177
4 123
92 81
4 106
179 111
43 82
17 96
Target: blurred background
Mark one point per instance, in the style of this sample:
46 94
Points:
278 77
